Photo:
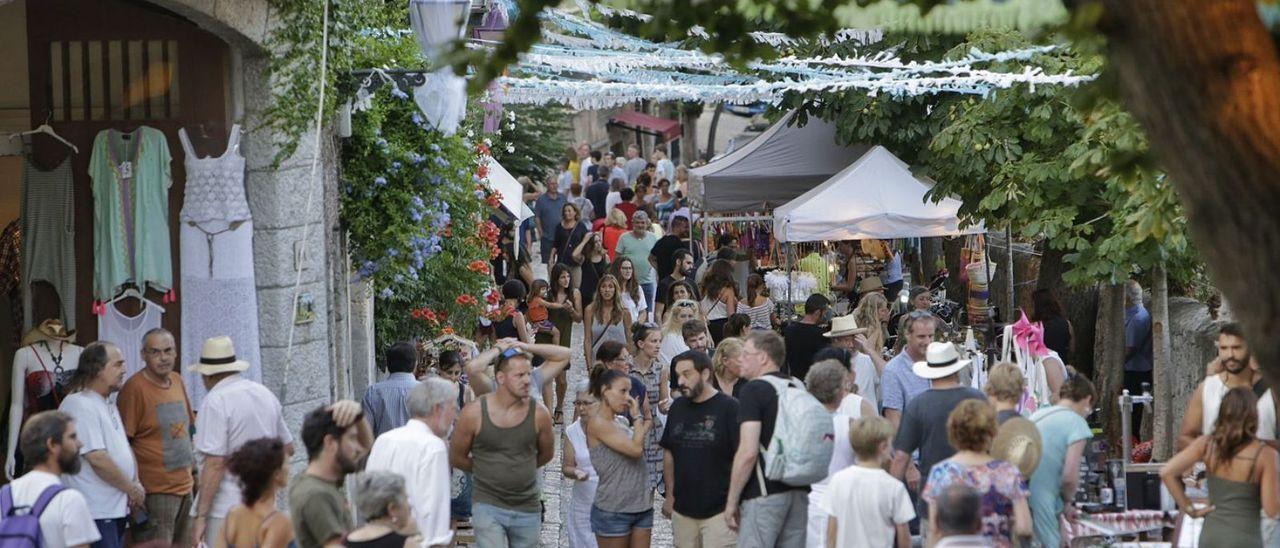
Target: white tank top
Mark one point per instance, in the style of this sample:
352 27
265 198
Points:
841 453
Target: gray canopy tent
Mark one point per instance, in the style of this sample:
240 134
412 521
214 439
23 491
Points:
781 164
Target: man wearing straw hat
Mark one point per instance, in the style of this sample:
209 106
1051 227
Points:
924 422
846 334
235 411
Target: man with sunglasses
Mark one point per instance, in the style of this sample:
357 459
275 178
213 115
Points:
555 359
493 439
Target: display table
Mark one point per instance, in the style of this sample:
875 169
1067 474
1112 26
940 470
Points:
1115 525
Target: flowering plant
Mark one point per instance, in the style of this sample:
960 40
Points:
406 190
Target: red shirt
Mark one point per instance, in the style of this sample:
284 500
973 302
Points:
629 209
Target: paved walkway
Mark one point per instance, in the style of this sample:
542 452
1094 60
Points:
556 488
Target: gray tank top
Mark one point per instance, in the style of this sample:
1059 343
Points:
504 462
1236 519
624 481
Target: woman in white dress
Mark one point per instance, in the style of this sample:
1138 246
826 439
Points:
576 466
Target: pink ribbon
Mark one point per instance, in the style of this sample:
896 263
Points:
1029 336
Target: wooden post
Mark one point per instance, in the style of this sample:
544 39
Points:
1164 430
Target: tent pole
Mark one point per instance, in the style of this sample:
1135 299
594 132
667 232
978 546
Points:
991 320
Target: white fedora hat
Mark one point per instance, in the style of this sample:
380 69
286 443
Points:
941 360
844 325
219 356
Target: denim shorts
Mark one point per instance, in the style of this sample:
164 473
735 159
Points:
619 524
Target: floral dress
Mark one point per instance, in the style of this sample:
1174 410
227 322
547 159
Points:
997 482
652 450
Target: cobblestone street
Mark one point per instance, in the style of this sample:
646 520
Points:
556 488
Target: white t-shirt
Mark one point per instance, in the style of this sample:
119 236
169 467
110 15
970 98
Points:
868 379
66 521
867 504
672 345
611 200
236 411
99 428
634 306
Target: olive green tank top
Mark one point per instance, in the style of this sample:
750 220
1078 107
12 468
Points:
504 462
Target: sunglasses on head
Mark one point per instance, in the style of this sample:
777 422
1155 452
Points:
686 304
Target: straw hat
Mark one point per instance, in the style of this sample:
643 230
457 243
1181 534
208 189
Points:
219 356
867 285
941 360
844 325
49 330
1018 443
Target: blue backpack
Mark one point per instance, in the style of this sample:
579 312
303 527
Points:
20 527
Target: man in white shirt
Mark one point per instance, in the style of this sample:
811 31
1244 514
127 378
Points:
110 475
418 453
664 169
49 443
235 411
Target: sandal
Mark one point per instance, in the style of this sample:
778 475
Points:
559 416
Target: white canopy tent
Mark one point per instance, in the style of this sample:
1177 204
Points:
875 197
774 168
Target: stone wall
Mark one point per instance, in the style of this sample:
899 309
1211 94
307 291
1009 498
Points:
1194 335
297 246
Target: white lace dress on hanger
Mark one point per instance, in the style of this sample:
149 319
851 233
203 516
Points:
219 296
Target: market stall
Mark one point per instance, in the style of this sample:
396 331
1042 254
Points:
782 163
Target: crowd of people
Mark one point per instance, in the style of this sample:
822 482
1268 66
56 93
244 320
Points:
851 430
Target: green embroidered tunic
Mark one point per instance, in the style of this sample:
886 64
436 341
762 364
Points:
131 182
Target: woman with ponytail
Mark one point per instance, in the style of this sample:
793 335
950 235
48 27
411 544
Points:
1241 474
622 513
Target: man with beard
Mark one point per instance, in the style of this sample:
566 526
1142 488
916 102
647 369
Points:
337 438
700 439
49 443
671 265
158 419
111 478
494 438
1202 409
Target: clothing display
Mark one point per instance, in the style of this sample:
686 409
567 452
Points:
48 254
131 180
126 332
45 369
216 254
11 273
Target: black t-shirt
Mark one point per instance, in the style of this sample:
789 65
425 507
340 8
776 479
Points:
735 390
664 250
597 192
702 438
758 402
566 240
803 341
924 424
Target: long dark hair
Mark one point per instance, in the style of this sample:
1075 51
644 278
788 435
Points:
93 359
1237 423
719 276
557 272
632 286
1045 305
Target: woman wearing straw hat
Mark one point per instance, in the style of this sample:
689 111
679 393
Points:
866 364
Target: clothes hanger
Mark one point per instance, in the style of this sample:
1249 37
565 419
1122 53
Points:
46 129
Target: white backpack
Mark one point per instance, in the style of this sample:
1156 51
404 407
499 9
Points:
799 452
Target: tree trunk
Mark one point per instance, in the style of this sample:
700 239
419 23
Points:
1204 80
711 132
1163 431
1109 358
951 252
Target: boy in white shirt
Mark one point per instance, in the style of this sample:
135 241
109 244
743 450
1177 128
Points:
48 441
866 505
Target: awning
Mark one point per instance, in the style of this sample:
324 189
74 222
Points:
661 127
511 189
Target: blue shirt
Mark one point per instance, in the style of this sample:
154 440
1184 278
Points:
900 384
893 270
1059 428
386 404
1137 334
547 211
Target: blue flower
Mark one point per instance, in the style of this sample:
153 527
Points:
393 252
442 161
367 269
399 278
395 166
380 181
462 172
386 293
417 202
434 147
417 119
395 92
382 142
416 158
416 215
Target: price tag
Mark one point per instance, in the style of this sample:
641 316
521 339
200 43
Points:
126 170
